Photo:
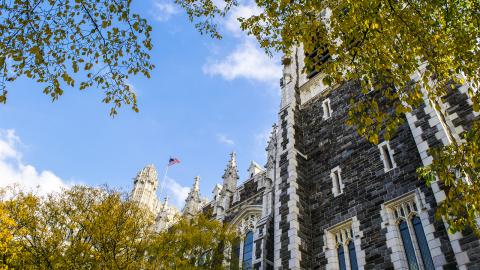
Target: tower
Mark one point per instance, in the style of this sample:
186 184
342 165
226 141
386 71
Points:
193 203
145 187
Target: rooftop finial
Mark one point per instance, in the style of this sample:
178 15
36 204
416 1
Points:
165 203
233 159
196 184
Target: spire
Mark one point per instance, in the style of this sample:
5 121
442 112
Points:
196 185
165 203
230 176
233 159
193 203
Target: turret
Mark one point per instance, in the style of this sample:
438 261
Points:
193 203
230 176
145 187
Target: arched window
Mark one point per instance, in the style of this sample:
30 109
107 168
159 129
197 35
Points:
422 243
353 256
411 245
344 253
247 251
408 245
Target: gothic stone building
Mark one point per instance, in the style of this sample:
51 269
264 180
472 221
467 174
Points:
328 199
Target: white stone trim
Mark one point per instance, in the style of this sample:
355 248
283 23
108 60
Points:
460 256
337 188
381 148
327 109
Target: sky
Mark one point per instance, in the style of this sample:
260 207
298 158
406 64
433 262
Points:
205 99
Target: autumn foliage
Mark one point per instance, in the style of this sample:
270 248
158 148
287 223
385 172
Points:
99 228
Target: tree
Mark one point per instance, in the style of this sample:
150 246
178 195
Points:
100 228
53 42
10 251
197 243
404 51
79 228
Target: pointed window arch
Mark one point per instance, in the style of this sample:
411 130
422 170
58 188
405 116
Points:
344 242
412 244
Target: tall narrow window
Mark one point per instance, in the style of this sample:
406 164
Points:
386 155
327 110
422 243
337 185
408 246
247 251
411 245
353 256
235 256
341 258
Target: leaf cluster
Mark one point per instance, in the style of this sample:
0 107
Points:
457 167
197 243
67 43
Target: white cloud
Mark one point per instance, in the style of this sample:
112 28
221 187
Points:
222 138
176 192
164 10
13 170
242 11
246 61
261 141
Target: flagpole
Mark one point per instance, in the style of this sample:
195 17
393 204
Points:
163 181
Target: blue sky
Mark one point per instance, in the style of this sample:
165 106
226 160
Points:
205 99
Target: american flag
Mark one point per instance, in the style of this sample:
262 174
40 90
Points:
173 161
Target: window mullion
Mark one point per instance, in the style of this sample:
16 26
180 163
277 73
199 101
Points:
347 256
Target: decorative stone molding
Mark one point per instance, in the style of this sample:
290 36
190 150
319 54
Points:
247 218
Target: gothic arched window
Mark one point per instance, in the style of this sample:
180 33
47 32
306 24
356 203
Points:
343 239
248 251
407 218
414 241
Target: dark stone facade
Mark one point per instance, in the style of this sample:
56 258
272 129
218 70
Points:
293 202
328 143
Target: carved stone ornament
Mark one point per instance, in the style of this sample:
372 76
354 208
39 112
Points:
247 223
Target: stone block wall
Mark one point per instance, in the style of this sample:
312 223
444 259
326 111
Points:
328 143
